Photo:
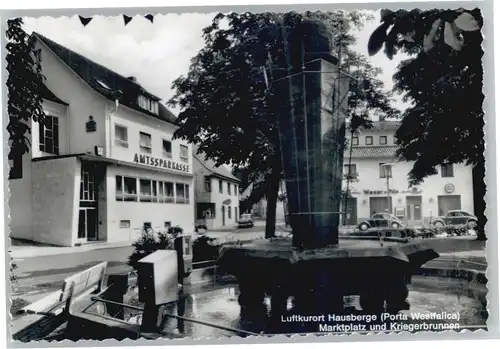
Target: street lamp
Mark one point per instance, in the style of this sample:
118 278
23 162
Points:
387 175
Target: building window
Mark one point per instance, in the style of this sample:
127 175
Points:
49 135
220 186
126 188
87 188
208 184
124 224
184 152
16 169
350 171
167 225
145 190
447 170
235 190
181 193
147 226
385 171
167 149
145 142
236 213
121 136
166 192
228 188
37 56
383 140
154 184
369 140
229 212
148 104
355 141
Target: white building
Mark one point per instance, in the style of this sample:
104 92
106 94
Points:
450 189
217 194
104 165
259 208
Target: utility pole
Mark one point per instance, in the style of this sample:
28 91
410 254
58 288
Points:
387 168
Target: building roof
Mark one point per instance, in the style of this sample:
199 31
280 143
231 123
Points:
217 171
48 95
383 126
371 152
106 82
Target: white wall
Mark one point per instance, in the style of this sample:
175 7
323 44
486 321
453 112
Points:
55 194
159 130
20 205
140 212
82 100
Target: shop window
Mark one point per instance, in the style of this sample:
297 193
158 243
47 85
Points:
181 193
126 188
145 190
167 192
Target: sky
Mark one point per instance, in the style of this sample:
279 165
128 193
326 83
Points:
157 53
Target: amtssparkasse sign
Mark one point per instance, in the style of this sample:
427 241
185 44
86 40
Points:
163 163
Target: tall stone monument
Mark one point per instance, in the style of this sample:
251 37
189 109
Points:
318 271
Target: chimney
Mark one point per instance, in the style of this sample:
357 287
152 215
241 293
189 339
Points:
132 78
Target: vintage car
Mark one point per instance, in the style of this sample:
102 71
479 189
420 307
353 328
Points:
455 217
381 220
245 221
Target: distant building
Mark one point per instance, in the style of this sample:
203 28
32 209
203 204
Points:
217 194
259 209
104 165
450 189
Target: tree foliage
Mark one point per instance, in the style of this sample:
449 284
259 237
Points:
443 78
24 83
227 109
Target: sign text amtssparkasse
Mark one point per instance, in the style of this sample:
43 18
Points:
163 163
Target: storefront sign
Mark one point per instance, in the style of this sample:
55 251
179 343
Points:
413 190
151 161
449 188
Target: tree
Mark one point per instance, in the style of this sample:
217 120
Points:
226 107
444 79
24 84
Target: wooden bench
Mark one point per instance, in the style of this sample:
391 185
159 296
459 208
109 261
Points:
56 307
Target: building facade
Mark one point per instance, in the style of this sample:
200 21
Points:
259 208
378 182
217 194
104 164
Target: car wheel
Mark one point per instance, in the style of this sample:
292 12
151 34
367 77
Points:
395 225
364 226
472 224
438 225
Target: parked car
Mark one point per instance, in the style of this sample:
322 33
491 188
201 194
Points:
381 220
245 221
455 217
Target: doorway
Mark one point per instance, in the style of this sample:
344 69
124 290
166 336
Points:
88 213
351 211
414 209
